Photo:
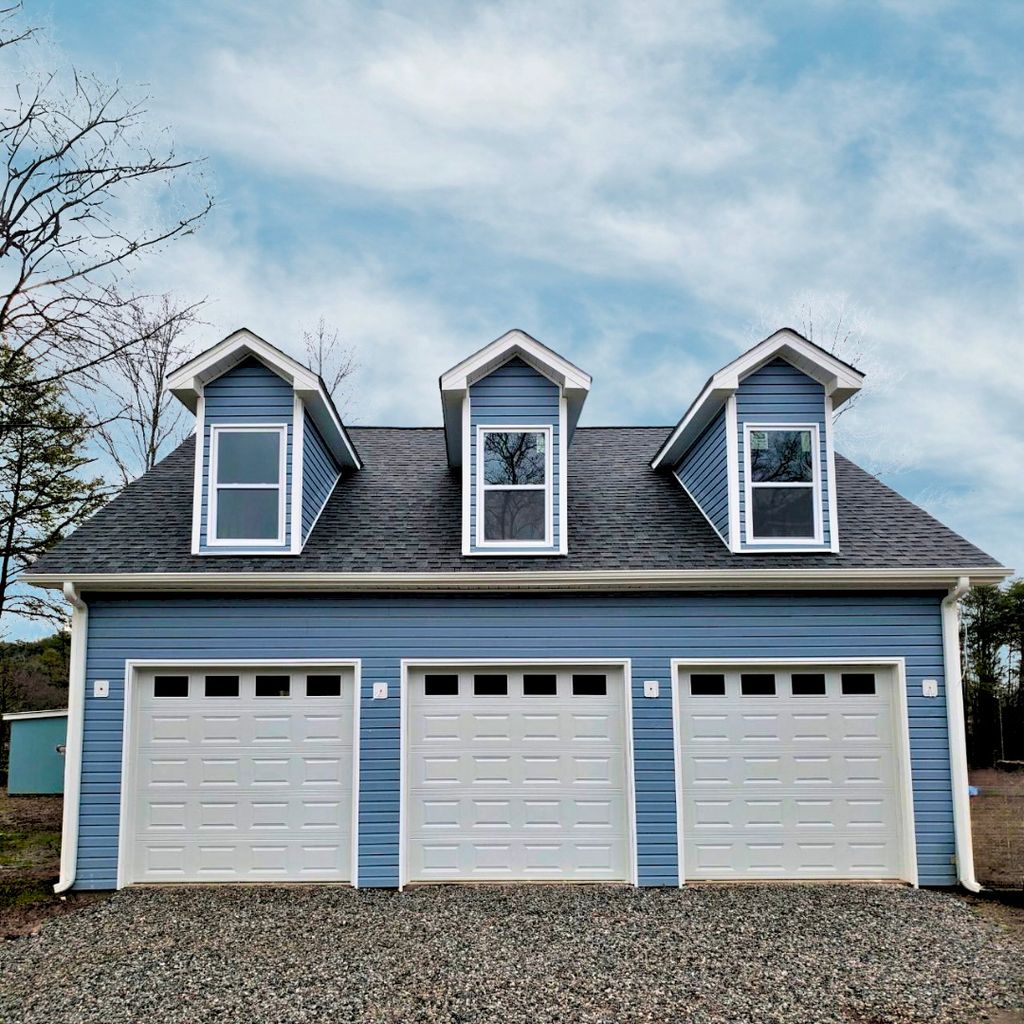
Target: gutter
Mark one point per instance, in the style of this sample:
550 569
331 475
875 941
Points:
957 734
529 580
73 744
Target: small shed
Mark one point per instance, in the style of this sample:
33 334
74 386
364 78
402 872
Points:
36 762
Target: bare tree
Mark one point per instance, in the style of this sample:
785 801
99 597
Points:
328 356
72 154
146 420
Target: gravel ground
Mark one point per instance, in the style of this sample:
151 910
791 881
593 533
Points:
767 954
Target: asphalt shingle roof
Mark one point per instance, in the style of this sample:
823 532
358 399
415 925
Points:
401 513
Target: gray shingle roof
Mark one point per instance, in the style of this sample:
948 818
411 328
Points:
401 513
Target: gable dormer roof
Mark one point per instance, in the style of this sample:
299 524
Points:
840 380
187 382
574 382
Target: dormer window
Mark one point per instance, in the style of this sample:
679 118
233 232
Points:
516 491
247 485
783 485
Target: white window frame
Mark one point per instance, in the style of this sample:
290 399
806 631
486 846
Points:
212 540
548 487
814 484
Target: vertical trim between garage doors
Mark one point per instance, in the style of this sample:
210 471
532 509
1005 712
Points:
902 722
133 666
625 664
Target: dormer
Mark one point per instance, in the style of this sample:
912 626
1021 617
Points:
510 411
754 452
270 447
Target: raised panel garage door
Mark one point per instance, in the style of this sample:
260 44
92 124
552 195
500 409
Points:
790 772
241 775
517 774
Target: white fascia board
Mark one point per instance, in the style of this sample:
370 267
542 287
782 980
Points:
456 382
532 580
499 351
186 384
20 716
839 380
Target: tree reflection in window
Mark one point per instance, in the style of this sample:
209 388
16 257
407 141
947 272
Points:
515 486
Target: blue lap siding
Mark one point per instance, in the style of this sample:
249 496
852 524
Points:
247 393
650 629
319 474
703 471
515 394
779 393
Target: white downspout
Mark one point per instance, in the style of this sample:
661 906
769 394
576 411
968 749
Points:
957 734
73 744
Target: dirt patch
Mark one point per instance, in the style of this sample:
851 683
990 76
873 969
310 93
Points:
30 864
997 820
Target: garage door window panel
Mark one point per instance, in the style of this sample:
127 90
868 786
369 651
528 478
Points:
323 686
273 685
589 685
808 684
170 686
490 686
858 684
247 485
221 686
782 483
446 685
540 685
757 684
707 684
515 487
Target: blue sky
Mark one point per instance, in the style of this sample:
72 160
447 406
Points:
648 188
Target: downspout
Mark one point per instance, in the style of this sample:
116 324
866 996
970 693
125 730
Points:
73 745
957 734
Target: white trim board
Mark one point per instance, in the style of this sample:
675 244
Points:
502 581
134 665
24 716
904 781
624 664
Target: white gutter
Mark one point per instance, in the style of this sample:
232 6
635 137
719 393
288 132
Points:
957 734
534 580
73 744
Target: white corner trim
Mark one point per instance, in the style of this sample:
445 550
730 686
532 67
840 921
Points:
563 476
73 742
699 507
957 734
132 667
732 460
830 456
782 545
405 664
467 475
198 476
897 665
294 482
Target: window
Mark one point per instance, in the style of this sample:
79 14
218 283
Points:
757 684
323 686
858 684
490 686
782 503
273 686
515 487
540 685
441 686
589 686
221 686
808 684
247 485
170 686
706 684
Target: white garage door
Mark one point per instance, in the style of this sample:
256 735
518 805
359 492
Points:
517 773
790 773
241 775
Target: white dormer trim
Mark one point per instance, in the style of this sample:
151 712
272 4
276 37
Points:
455 383
186 383
840 381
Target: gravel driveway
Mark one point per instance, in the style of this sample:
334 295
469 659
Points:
864 954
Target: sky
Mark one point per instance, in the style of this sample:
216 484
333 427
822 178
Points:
647 188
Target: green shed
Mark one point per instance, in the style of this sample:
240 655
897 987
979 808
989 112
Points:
36 763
